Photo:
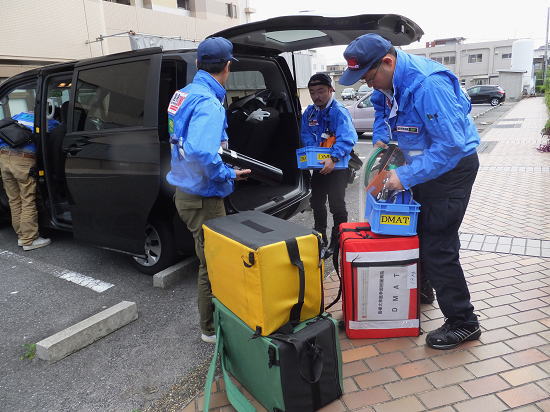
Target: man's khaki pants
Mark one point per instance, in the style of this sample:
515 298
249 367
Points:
194 210
20 188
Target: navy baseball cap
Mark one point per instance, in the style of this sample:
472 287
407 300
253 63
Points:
215 50
361 54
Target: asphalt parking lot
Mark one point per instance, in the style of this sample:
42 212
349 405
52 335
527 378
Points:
148 362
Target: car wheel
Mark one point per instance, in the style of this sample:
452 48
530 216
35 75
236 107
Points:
494 101
159 248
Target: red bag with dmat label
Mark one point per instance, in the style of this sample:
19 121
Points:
379 294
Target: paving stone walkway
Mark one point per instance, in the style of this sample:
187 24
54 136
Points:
506 256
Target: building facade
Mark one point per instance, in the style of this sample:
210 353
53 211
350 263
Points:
37 33
482 63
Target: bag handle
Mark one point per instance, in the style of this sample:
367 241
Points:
294 254
309 355
234 395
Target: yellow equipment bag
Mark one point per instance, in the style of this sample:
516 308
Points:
267 271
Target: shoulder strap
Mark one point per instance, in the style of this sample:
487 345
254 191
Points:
236 398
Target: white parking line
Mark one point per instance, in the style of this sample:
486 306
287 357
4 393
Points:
78 278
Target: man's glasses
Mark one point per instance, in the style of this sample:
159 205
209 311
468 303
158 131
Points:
371 78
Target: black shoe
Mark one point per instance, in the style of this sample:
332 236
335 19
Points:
448 336
427 295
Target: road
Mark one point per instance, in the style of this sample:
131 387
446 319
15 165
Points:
154 360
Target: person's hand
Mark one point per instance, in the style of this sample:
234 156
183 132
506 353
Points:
328 166
242 174
381 144
393 182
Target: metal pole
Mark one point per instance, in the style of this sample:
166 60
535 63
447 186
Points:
546 49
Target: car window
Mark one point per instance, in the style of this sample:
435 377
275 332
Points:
364 88
111 96
473 90
18 100
244 83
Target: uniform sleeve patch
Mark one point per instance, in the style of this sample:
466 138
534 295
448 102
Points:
177 100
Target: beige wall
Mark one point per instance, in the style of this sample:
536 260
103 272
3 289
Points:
58 30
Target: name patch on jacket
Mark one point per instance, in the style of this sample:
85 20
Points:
313 122
177 100
407 129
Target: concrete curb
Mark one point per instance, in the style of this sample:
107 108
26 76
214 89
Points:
486 111
175 273
84 333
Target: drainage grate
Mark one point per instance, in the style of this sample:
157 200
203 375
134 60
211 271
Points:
486 146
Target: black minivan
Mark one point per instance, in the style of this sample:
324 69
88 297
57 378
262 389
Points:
102 170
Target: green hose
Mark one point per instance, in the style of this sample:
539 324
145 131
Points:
370 163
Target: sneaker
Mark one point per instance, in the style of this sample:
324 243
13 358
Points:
448 336
36 243
19 242
208 338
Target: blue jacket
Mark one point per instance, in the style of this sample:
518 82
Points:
27 119
432 124
333 120
197 123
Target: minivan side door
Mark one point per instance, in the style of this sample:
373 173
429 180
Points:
112 165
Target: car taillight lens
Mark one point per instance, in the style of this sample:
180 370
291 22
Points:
501 91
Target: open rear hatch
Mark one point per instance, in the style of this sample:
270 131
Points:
293 33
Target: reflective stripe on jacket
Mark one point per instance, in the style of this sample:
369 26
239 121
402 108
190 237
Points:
333 120
197 123
432 121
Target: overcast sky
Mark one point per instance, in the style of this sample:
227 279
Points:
476 20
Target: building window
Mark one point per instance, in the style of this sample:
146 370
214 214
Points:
449 60
126 2
506 55
438 59
183 4
475 58
231 10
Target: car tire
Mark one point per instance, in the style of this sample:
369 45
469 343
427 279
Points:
160 250
495 101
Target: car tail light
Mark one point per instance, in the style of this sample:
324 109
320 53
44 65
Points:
501 91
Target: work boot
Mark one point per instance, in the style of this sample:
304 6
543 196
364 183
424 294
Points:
449 336
208 338
36 243
426 292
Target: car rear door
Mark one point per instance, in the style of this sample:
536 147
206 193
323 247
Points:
293 33
112 166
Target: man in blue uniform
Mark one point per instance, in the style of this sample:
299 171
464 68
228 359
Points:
420 103
197 123
328 124
20 186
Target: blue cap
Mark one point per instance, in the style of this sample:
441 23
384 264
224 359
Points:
361 54
215 50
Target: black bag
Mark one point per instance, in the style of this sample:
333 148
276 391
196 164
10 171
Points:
354 162
13 133
354 165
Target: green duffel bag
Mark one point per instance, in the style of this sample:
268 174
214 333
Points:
298 371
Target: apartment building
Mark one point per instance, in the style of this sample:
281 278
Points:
36 33
483 63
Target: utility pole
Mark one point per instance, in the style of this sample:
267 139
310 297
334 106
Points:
546 49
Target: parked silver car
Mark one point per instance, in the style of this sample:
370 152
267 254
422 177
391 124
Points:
362 114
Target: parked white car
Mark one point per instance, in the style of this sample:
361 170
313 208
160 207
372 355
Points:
348 93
